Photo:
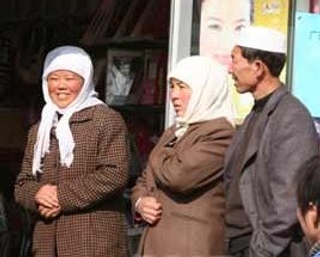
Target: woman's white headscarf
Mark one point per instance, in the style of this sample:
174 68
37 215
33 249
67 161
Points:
76 60
210 97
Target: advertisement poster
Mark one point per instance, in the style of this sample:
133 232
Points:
272 13
306 77
221 23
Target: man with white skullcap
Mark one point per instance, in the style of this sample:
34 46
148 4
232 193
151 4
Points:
271 147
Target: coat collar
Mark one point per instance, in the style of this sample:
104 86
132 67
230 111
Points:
262 121
83 115
275 98
169 135
258 131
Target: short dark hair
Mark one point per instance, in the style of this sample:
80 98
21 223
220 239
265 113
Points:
308 187
274 61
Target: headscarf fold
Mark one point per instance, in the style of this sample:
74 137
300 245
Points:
210 97
76 60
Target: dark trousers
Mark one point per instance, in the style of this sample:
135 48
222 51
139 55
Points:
238 246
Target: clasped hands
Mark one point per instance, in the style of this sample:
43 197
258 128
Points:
47 201
149 209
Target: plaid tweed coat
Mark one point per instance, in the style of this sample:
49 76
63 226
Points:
92 221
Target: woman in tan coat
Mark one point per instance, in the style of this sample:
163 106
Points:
75 165
180 193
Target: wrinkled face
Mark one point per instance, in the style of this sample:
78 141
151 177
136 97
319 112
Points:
243 72
180 94
64 87
221 22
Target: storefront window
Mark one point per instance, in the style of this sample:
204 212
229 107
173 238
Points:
306 55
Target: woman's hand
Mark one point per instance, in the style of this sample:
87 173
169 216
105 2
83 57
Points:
150 209
47 196
49 213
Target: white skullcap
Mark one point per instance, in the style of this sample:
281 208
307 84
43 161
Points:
263 38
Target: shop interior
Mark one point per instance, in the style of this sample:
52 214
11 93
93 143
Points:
117 35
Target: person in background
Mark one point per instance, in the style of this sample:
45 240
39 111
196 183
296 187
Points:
277 138
180 193
75 165
308 211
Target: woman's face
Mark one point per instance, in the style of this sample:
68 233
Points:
64 87
180 94
221 22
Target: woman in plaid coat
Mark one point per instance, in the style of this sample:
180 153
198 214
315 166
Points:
75 165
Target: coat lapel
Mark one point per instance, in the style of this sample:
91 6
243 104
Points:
261 124
230 158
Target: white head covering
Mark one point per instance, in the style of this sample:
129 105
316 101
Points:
72 59
210 97
263 38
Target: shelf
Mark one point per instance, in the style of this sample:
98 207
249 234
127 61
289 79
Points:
139 108
46 11
128 42
45 20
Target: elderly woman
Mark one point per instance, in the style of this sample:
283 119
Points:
75 165
180 193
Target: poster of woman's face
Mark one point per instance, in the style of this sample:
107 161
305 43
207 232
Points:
220 24
217 24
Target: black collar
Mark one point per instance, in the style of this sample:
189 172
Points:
261 103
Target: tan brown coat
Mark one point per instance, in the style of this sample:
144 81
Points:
186 178
92 222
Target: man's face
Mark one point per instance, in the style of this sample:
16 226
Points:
242 72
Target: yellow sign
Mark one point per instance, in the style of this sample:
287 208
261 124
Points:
272 14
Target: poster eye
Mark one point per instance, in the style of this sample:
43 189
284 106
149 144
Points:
216 27
240 27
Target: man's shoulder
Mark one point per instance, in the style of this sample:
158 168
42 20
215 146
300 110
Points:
291 104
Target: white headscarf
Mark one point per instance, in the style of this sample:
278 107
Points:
210 97
76 60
